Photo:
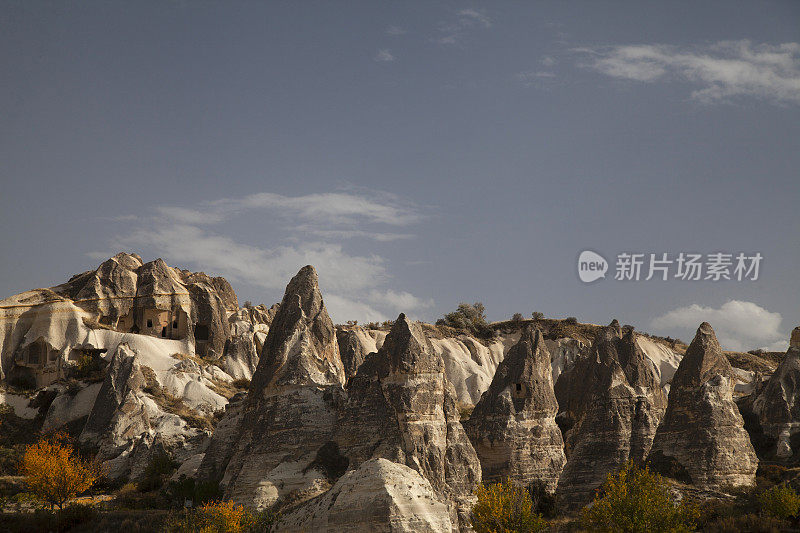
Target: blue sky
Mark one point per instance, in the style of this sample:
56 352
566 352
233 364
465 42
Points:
418 154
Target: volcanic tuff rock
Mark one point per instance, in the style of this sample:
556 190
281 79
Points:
702 438
777 404
625 403
513 427
291 408
355 344
401 407
248 330
43 329
379 496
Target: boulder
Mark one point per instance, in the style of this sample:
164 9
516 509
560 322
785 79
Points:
624 405
702 440
379 496
513 428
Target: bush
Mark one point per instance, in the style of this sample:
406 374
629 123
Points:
199 492
470 317
780 501
73 515
507 508
536 315
220 517
752 523
636 499
517 317
156 472
571 320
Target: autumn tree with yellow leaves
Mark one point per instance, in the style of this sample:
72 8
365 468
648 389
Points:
54 472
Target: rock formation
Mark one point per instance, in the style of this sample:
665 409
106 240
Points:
624 405
702 440
777 404
354 345
401 407
379 496
291 409
42 330
248 330
513 426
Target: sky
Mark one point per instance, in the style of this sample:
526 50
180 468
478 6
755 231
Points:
418 154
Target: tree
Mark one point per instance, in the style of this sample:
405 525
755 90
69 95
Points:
635 499
505 508
54 472
471 317
517 318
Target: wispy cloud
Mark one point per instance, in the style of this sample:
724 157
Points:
453 31
384 55
548 61
720 71
395 30
739 325
316 227
535 78
320 208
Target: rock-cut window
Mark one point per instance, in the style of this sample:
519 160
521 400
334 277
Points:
149 322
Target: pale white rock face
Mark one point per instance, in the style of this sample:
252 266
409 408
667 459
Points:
189 467
380 496
469 365
20 404
67 407
665 360
563 354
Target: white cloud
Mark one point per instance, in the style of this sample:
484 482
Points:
465 20
400 301
548 61
355 234
739 325
270 268
353 284
535 78
395 30
321 208
384 55
720 71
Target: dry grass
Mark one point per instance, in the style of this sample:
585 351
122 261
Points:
229 389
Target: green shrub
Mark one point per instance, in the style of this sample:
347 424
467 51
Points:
469 317
156 472
537 315
517 318
73 515
199 492
635 499
781 501
505 508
